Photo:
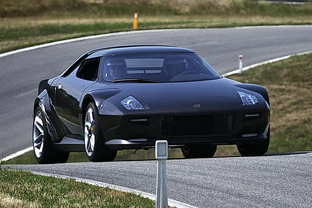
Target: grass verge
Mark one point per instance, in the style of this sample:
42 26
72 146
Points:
23 189
25 23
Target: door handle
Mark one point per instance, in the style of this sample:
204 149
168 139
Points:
60 86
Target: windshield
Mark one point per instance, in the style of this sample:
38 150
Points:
158 67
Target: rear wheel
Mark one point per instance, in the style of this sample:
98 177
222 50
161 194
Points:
93 138
44 150
256 149
199 151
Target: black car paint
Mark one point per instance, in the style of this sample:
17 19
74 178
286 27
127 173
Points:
65 97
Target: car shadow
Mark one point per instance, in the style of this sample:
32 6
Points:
286 153
219 157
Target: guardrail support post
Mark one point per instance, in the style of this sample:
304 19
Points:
161 154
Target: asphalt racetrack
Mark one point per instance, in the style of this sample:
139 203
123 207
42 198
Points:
270 181
283 180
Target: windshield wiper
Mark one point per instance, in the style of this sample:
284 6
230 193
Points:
135 80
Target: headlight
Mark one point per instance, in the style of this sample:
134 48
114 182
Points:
130 103
247 99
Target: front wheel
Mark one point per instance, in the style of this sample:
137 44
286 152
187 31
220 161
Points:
199 151
93 138
256 149
44 150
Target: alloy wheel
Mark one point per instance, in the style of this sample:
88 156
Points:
38 134
89 135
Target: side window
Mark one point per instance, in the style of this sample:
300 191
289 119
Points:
89 69
73 66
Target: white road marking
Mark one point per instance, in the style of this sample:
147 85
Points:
26 93
16 154
130 32
77 39
265 62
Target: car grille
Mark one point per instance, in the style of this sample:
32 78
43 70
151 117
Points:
196 125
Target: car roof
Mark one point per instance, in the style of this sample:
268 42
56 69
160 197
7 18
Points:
136 49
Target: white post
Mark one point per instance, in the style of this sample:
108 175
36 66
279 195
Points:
240 60
161 154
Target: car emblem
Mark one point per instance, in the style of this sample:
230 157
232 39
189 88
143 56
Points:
196 105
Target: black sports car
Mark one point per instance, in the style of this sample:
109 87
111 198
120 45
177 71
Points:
128 97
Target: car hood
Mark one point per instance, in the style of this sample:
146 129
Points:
180 97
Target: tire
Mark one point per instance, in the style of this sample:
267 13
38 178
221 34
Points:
256 149
199 151
93 138
44 150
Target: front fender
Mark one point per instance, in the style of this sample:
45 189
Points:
99 97
56 128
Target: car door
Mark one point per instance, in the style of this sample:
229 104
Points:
69 90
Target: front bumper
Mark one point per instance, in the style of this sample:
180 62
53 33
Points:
142 130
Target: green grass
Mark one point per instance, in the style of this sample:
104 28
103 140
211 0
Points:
31 22
83 8
23 189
